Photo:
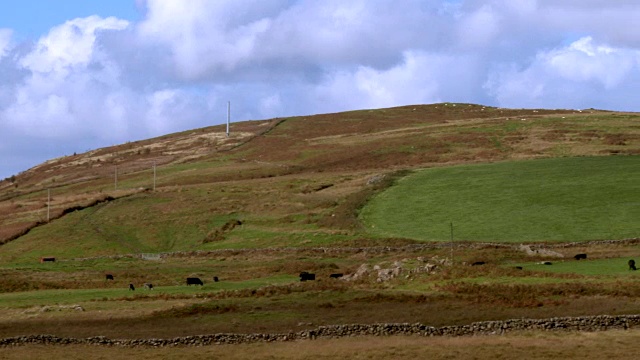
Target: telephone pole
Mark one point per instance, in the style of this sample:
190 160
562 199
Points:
48 204
154 176
451 226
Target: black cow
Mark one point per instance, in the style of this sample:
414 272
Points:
148 286
547 263
335 276
519 267
580 256
304 276
132 288
215 279
109 277
478 263
632 264
194 281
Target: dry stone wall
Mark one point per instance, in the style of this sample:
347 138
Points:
584 323
534 248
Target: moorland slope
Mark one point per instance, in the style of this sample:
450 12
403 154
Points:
291 181
282 196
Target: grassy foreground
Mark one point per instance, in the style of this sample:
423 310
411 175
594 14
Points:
531 345
561 199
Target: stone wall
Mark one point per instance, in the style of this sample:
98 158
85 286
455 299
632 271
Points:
369 250
584 323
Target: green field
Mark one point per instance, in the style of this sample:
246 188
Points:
561 199
66 296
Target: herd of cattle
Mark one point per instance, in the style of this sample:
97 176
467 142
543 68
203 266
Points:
149 286
307 276
304 276
631 263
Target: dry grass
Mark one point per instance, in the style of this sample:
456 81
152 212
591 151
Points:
614 344
284 309
523 295
351 144
305 190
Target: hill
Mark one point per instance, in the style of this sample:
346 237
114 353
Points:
291 182
248 213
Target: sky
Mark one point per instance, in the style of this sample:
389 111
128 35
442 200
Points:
77 75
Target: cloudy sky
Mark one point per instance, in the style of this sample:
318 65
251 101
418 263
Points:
77 75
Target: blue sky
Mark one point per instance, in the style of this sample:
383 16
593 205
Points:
31 19
84 74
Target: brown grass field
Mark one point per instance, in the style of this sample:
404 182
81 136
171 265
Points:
282 196
611 344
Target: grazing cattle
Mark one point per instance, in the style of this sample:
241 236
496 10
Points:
132 288
47 259
215 279
632 264
547 263
580 256
194 281
478 263
335 276
519 267
109 277
148 286
304 276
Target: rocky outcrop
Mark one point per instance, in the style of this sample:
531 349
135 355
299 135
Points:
539 251
385 273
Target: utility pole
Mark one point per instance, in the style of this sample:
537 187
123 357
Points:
48 204
154 176
451 226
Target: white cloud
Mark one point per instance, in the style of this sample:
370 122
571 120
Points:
95 81
46 117
421 78
68 45
479 28
584 61
206 36
118 114
5 41
65 79
367 87
610 21
170 110
573 76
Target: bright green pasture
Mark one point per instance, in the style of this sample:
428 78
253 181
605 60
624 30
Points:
562 199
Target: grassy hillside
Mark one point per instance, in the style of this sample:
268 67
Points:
292 182
282 196
563 199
